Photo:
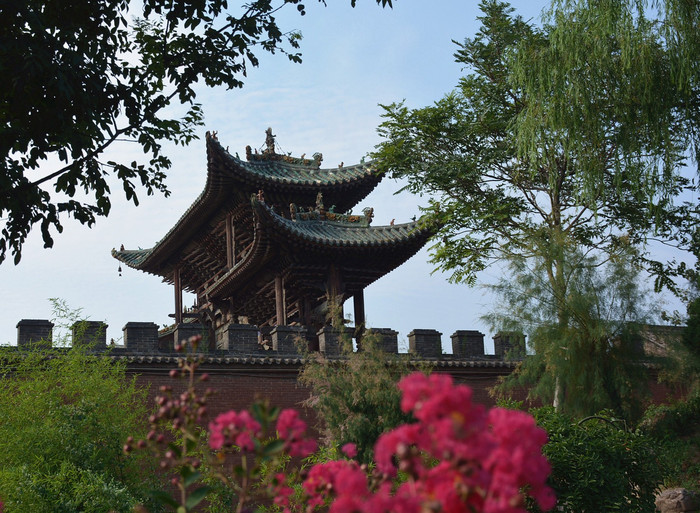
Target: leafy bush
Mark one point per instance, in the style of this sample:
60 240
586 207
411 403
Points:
357 398
676 429
679 419
598 465
65 416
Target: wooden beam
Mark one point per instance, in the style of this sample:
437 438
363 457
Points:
335 296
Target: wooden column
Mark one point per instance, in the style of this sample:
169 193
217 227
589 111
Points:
230 243
358 300
279 301
335 302
178 296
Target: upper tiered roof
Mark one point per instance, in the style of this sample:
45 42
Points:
287 179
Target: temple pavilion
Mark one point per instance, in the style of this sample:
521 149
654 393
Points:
272 241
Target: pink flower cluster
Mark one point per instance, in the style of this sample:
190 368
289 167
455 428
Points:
292 430
457 458
240 429
232 428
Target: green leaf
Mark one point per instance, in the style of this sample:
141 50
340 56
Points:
175 449
196 497
273 447
189 475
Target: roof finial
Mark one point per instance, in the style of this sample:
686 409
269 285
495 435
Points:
270 141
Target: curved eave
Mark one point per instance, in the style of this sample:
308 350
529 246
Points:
343 186
331 235
154 260
131 257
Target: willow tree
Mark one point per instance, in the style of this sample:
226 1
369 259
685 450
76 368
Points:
620 80
511 173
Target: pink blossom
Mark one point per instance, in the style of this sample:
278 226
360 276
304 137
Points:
350 450
232 428
281 492
458 458
292 430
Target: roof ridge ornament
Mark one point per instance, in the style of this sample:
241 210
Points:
268 154
269 141
319 213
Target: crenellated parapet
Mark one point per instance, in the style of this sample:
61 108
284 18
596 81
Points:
144 338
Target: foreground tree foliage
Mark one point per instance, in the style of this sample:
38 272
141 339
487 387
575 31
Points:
493 199
518 166
65 416
617 85
80 76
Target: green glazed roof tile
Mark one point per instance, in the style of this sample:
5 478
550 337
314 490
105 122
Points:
330 233
294 174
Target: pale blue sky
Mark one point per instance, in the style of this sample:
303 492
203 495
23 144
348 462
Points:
353 60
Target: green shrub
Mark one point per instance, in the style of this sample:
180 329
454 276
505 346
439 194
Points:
678 419
598 465
676 430
65 416
357 398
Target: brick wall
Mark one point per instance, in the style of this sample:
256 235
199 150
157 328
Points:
237 385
